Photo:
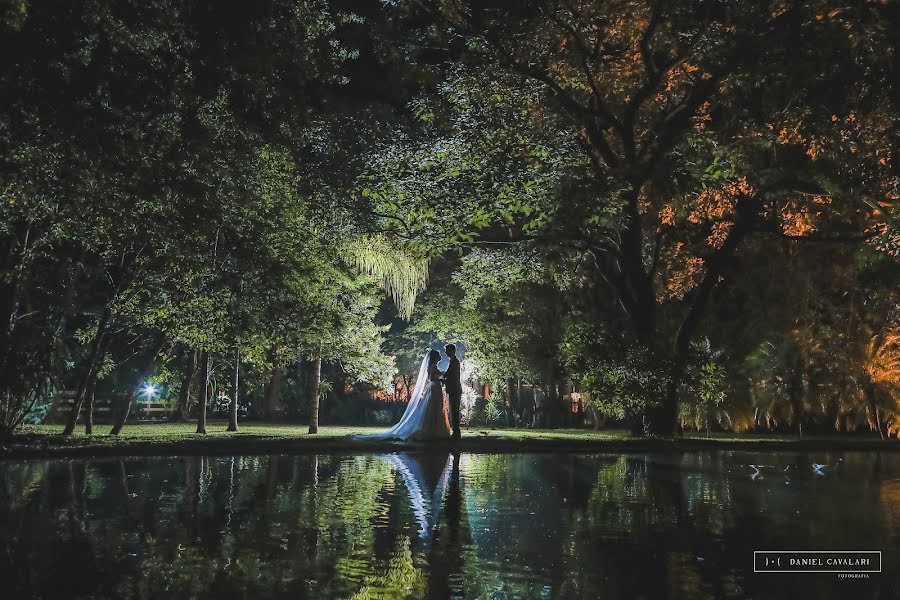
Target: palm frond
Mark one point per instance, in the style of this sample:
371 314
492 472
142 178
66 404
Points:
401 272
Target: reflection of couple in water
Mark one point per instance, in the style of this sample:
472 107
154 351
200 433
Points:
427 478
431 478
432 483
426 416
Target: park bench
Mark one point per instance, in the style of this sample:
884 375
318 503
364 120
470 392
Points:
142 409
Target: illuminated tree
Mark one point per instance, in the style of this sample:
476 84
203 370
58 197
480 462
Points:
655 139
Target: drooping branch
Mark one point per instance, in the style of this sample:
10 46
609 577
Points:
400 272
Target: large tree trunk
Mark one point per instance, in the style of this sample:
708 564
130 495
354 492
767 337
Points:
512 399
551 403
539 418
81 392
666 418
522 404
529 412
187 387
204 398
595 418
122 414
233 405
315 379
10 301
565 408
273 393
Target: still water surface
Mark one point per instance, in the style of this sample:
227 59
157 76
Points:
439 525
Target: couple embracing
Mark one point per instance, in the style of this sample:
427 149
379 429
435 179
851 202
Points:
426 416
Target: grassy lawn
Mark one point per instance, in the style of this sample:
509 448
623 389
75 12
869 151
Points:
168 432
171 432
149 432
180 438
574 435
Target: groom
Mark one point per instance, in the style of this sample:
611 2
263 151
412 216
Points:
454 389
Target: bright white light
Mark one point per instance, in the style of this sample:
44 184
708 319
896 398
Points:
468 374
149 390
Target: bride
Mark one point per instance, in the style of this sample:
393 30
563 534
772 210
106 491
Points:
425 417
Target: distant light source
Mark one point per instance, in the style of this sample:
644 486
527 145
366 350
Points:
149 390
468 374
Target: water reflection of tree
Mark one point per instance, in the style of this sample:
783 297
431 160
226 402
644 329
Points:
452 537
341 526
685 526
196 525
513 504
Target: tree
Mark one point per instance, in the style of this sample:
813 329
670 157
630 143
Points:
671 145
500 302
158 160
314 391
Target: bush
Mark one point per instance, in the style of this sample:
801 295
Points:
16 407
382 417
39 410
486 413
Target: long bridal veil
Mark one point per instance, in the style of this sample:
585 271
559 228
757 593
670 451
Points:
414 415
425 477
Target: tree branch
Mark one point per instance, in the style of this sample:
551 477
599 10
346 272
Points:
615 280
651 80
590 118
677 120
746 219
585 55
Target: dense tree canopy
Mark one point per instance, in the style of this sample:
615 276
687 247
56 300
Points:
686 212
646 150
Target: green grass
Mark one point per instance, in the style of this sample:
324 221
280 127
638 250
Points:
173 438
619 435
170 432
573 435
149 432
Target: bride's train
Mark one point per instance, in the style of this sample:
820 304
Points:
425 417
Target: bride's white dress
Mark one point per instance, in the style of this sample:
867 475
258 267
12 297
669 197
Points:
425 477
426 416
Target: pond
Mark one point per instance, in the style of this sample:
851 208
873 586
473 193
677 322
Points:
444 525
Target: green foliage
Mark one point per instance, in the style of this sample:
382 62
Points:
621 382
500 305
401 272
707 389
167 184
578 192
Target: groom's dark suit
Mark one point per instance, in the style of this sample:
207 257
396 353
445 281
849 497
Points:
454 392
